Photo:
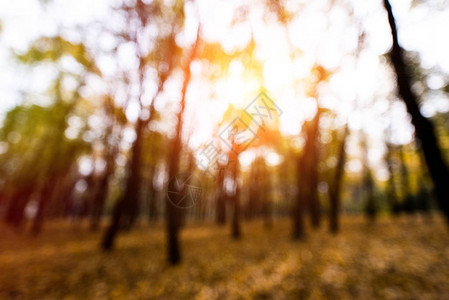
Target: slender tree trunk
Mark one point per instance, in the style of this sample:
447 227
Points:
46 196
235 199
236 232
100 195
368 184
134 184
102 188
407 198
173 212
152 199
298 208
182 213
15 212
424 129
221 198
334 191
391 189
250 209
311 168
266 196
128 203
371 209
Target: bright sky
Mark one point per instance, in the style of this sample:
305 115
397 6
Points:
328 37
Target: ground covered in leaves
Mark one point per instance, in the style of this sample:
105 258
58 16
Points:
402 259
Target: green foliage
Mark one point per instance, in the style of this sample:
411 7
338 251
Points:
36 143
54 48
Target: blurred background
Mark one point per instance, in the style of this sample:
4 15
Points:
221 149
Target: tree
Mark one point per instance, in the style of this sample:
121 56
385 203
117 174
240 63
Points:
267 209
41 131
391 188
424 129
367 182
164 53
113 117
173 217
221 197
310 177
234 171
156 143
299 205
334 190
407 197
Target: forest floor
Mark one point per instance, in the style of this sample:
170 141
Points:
402 259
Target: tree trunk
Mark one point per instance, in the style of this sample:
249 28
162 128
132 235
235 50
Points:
265 190
251 209
127 205
391 189
408 200
368 184
46 196
334 191
235 199
221 198
15 213
173 212
311 154
424 129
102 188
298 209
100 195
152 199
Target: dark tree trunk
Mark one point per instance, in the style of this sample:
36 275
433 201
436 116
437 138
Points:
334 191
68 196
100 195
45 198
235 198
391 189
370 209
63 193
424 129
182 215
298 208
368 184
127 205
173 214
110 234
152 199
250 208
16 207
102 188
234 171
267 212
134 184
266 195
407 198
221 198
311 155
236 232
